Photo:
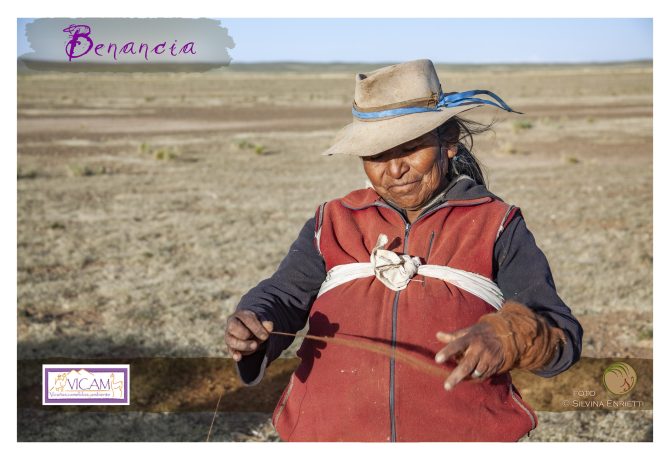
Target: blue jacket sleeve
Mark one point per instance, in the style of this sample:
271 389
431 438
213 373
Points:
522 272
285 299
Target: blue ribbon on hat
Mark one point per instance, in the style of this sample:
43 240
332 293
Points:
456 99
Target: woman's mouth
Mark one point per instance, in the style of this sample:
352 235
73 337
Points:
403 186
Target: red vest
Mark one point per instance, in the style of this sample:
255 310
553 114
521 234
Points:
339 393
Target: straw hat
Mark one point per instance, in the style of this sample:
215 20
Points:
398 103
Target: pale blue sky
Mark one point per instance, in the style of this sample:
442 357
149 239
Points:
442 40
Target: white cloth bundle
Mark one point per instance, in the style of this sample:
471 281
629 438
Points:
395 272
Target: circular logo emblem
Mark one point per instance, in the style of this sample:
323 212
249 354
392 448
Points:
619 378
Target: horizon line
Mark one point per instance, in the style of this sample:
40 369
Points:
290 61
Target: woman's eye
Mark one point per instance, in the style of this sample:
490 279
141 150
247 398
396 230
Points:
411 148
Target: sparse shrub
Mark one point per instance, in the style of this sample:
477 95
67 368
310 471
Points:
509 149
88 260
162 153
144 148
257 148
519 125
646 258
57 225
572 160
243 144
86 170
165 154
23 174
646 334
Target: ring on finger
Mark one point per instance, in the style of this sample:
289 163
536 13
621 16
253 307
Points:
476 374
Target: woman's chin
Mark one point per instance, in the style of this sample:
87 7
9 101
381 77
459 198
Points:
407 205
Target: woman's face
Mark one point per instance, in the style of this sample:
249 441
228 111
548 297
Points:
410 174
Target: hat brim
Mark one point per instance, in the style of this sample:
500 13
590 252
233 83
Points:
362 138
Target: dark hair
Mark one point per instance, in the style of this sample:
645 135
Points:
461 131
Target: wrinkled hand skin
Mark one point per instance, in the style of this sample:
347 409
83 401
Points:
245 333
512 338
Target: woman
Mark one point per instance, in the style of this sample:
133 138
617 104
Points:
425 261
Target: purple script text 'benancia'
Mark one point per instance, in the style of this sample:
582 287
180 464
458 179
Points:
81 44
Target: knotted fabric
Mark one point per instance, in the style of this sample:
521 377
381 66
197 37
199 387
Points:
393 270
396 271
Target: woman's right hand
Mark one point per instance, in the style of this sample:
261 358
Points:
245 333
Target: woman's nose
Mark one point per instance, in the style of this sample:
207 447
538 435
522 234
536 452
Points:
397 167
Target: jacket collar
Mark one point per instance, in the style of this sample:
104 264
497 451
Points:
461 191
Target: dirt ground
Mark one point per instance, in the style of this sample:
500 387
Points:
149 203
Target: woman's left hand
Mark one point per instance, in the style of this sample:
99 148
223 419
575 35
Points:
477 349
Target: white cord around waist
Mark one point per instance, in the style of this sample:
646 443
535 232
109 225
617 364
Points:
395 272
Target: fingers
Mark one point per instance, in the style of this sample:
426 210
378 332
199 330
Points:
448 337
239 353
250 320
241 345
478 352
244 333
482 370
462 370
493 367
451 349
268 325
237 329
